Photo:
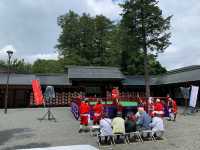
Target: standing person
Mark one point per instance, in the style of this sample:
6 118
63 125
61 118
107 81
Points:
98 111
115 98
84 112
150 106
172 109
115 93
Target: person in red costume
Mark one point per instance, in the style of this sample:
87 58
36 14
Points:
115 93
84 112
158 107
172 109
115 98
98 111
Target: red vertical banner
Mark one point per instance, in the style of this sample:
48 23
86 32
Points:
38 97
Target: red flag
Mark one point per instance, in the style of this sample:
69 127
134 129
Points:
38 97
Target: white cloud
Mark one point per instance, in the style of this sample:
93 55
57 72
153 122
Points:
31 27
32 58
185 48
8 48
106 7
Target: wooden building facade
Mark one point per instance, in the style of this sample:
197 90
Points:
95 82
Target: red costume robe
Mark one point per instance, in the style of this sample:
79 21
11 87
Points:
173 106
115 93
158 108
98 111
84 111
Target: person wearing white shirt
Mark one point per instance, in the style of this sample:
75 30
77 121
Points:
157 125
105 127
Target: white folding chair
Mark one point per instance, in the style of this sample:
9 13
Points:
124 137
101 137
148 134
94 129
136 135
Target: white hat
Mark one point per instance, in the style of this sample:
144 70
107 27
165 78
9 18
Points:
158 100
140 109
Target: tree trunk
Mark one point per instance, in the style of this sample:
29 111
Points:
146 68
146 72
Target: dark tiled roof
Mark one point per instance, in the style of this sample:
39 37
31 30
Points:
181 75
191 73
56 79
133 80
26 79
184 69
94 72
17 79
185 74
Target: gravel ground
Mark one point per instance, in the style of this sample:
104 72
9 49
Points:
20 128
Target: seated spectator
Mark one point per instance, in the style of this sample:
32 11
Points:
158 107
144 120
130 123
157 125
105 127
137 115
118 124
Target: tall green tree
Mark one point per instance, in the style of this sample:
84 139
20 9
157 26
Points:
146 29
69 40
47 66
86 40
2 64
20 66
103 31
17 65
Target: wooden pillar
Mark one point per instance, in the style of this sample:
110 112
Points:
14 98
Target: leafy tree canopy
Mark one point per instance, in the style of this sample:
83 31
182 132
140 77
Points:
47 66
86 40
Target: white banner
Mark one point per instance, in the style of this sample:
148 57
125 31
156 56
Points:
193 96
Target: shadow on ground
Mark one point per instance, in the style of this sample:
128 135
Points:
27 146
18 133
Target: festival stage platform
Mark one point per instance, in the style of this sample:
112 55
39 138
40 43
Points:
110 108
122 103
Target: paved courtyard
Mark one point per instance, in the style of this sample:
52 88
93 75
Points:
20 128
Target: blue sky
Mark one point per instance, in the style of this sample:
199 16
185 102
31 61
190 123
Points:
29 27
